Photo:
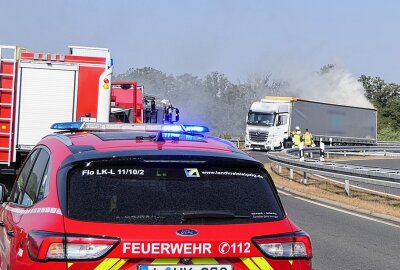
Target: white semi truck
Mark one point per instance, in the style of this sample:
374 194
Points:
271 120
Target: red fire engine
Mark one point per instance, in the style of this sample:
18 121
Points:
38 89
126 102
130 105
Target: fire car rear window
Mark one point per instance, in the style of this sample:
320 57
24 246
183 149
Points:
171 194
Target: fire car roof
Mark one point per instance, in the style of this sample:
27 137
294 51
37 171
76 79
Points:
98 145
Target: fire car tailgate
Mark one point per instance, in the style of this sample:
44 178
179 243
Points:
150 247
159 215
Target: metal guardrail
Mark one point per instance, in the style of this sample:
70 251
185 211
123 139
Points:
240 140
377 180
353 150
382 143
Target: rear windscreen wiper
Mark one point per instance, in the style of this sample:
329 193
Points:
210 215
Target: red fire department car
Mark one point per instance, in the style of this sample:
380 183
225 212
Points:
145 197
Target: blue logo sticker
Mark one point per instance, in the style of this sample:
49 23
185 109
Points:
192 172
186 232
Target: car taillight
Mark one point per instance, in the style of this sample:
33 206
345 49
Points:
286 246
44 246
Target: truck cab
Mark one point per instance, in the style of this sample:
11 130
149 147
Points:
267 125
270 121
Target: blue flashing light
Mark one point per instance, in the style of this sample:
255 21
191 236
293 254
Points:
193 138
110 63
172 128
170 135
173 131
67 126
185 137
196 129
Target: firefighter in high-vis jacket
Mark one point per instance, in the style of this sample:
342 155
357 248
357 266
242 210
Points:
296 137
308 139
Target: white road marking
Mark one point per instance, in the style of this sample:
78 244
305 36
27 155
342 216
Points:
284 193
340 210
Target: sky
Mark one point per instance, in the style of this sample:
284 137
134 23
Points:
237 38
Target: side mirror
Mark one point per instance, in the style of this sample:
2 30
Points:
3 193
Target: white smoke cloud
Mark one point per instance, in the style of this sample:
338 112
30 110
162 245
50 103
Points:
336 86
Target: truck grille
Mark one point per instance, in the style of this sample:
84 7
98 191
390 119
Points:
257 136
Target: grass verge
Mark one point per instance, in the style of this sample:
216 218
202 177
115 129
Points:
318 187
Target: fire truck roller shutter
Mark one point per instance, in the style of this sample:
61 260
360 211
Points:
46 96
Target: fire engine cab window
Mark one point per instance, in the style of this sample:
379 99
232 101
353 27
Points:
165 194
35 179
19 185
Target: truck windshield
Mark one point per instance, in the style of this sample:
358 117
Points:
258 118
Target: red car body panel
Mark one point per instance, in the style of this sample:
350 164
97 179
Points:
234 233
228 244
98 144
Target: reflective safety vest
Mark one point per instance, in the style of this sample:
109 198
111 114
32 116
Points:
296 139
308 138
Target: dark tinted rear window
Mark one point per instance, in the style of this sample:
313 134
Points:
171 193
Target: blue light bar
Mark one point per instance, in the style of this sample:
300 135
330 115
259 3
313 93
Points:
168 135
110 63
73 126
185 137
97 126
172 128
196 129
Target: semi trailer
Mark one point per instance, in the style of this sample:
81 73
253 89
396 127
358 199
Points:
271 120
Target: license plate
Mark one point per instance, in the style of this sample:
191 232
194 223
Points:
186 267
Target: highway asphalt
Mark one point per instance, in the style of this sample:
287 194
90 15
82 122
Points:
342 239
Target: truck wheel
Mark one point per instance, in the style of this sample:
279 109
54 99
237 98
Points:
287 144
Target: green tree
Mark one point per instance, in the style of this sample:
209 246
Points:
375 90
391 114
386 98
